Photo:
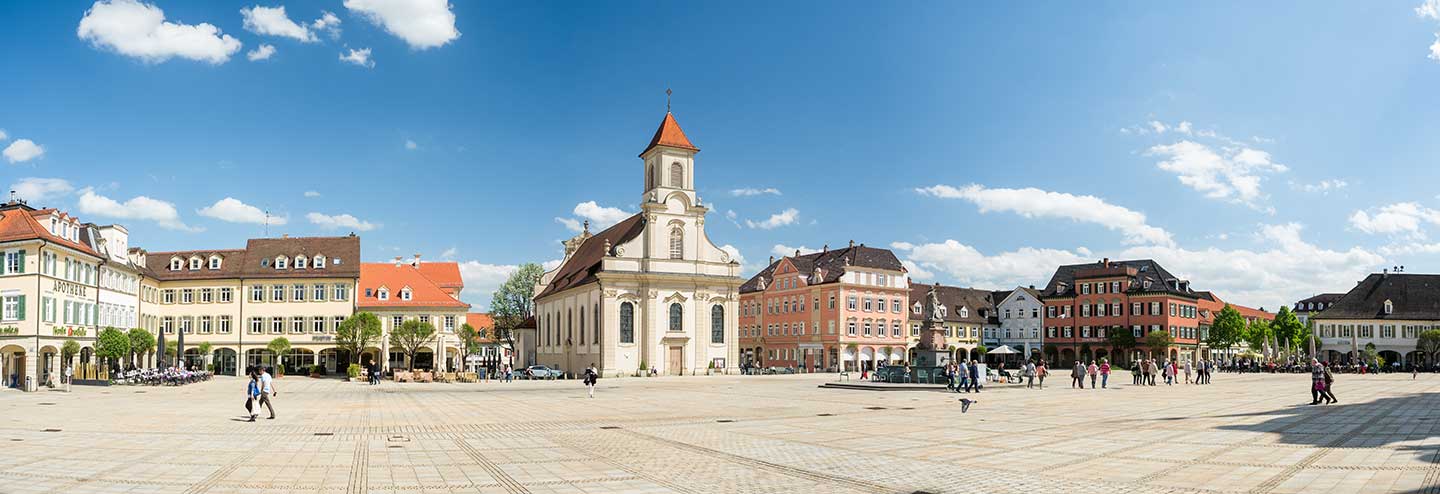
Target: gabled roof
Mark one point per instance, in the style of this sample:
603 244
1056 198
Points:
1412 297
580 268
953 298
1324 298
832 264
445 274
257 258
424 292
19 224
669 134
482 321
1140 271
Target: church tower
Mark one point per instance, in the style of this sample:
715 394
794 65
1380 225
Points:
669 164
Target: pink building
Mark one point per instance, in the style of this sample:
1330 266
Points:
830 310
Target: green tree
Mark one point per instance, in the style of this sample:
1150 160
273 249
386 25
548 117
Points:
1288 329
410 337
1258 334
204 349
112 345
278 347
469 339
68 351
356 333
1158 341
1227 329
1121 339
514 302
141 343
1429 343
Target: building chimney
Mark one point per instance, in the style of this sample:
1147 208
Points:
416 262
852 244
399 261
1106 262
772 260
797 252
825 248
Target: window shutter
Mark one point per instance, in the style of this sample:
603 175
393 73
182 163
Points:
20 313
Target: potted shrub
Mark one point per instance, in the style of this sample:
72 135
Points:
711 369
639 372
353 372
315 371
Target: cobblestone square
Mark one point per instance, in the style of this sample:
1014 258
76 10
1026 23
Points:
726 434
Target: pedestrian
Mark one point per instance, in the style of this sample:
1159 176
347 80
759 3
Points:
1104 373
1169 373
1077 375
252 391
950 377
1329 391
267 390
591 376
1151 370
975 376
70 376
1187 372
1041 372
1317 382
1094 372
1136 371
1414 370
1030 374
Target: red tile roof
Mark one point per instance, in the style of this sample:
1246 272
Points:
445 274
669 134
424 292
18 224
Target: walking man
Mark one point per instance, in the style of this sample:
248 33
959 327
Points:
267 390
1077 375
591 376
975 376
1104 373
1094 372
1030 374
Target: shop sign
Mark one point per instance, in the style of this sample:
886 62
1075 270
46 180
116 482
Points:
9 331
69 288
323 338
68 331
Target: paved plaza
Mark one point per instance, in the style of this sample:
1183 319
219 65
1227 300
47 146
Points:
722 434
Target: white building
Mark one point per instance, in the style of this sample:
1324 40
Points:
650 292
1388 310
1021 317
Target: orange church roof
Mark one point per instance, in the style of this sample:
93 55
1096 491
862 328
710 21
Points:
669 134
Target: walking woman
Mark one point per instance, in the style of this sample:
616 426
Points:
1030 375
1187 372
1135 372
591 377
1041 372
1317 382
1094 372
1104 373
1329 392
252 391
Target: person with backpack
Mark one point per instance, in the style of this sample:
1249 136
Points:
591 377
252 392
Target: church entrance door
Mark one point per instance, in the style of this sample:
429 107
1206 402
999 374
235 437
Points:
675 361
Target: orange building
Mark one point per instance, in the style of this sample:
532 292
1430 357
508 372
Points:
428 292
1084 303
1210 306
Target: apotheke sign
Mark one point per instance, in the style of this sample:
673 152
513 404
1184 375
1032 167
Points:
69 288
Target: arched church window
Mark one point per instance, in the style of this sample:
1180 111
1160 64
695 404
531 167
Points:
677 315
717 324
677 175
627 322
677 244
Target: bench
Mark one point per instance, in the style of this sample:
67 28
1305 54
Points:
844 376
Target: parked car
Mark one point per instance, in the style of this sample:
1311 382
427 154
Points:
542 372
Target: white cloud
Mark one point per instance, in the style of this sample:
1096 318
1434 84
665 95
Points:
40 190
272 21
752 191
3 135
1158 127
915 271
262 52
786 217
1232 174
551 264
600 217
22 150
139 30
136 208
735 255
1435 49
1429 9
1399 218
232 210
969 267
327 23
1323 187
450 253
338 221
409 144
481 281
782 250
311 193
1288 269
421 23
1183 127
1031 202
359 57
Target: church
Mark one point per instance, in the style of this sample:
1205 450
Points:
651 293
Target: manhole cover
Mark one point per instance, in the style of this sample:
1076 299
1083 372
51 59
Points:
398 439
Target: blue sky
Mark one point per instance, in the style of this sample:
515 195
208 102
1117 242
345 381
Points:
1266 151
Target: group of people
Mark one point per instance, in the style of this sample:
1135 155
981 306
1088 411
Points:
961 376
1145 372
1321 383
1094 371
258 391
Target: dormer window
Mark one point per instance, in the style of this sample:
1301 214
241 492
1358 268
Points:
280 262
176 264
319 262
942 311
214 262
964 312
299 262
382 294
405 293
195 263
1389 308
916 308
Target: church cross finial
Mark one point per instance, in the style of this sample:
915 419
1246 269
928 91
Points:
667 99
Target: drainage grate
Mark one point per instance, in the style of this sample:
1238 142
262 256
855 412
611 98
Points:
824 415
724 421
394 446
874 408
609 427
397 439
139 392
47 403
16 440
324 433
52 430
907 408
